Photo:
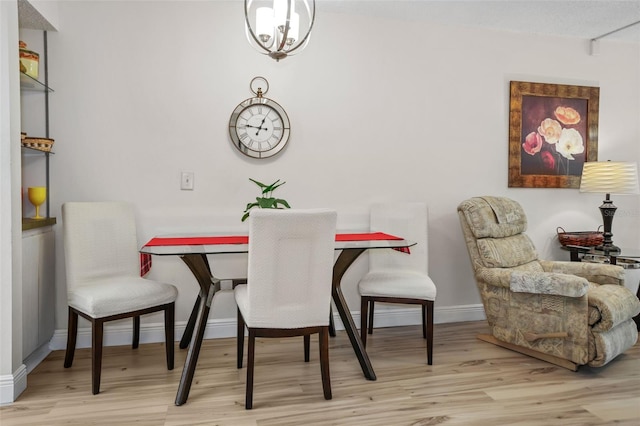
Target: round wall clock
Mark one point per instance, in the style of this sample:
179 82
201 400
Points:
259 127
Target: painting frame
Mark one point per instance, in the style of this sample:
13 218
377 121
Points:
524 140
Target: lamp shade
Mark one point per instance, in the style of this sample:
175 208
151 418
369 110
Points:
610 177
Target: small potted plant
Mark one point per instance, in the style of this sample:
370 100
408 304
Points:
267 201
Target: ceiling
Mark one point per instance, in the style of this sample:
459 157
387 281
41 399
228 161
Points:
586 19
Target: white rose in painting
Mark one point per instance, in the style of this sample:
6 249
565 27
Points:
569 143
550 129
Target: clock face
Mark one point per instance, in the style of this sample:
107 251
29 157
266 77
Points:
259 127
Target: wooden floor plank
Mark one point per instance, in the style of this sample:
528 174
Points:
470 382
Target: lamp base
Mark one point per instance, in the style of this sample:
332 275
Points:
608 248
608 209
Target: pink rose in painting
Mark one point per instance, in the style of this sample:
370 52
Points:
548 160
570 143
532 143
550 129
567 115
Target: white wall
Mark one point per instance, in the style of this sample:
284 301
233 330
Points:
12 371
144 90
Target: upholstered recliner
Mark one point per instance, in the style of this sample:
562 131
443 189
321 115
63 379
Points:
566 313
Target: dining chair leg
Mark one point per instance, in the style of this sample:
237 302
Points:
97 328
250 364
307 346
429 332
324 362
240 339
169 333
371 306
72 333
364 306
136 332
424 320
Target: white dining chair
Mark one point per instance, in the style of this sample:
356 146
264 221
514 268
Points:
288 290
103 278
396 277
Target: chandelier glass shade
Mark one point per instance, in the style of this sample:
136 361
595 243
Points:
279 28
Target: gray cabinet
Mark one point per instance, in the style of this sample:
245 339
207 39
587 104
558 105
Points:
38 288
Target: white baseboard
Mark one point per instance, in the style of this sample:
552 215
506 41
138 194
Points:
118 335
37 356
12 385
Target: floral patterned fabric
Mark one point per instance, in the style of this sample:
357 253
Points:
616 305
548 283
483 219
507 252
593 272
605 346
525 297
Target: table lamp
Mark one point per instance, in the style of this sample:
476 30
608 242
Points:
609 177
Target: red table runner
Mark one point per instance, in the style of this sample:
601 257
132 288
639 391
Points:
145 259
244 239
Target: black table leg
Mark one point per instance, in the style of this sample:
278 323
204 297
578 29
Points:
332 326
343 262
188 331
199 266
203 263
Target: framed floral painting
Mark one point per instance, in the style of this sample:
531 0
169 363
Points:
553 131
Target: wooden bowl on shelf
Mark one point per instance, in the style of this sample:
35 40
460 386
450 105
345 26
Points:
41 144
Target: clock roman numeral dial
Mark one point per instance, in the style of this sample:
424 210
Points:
259 127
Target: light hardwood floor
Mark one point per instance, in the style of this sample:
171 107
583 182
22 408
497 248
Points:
470 383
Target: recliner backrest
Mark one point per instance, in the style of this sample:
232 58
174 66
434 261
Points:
497 226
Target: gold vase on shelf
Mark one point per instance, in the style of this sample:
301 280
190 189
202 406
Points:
37 196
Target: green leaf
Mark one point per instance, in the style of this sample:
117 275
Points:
269 189
260 184
250 206
266 203
283 202
275 185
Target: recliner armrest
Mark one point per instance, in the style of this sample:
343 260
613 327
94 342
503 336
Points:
548 283
592 272
534 281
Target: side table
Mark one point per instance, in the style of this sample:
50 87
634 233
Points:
628 258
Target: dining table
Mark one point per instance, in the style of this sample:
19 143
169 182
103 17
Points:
195 250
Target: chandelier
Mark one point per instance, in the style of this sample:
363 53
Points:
280 27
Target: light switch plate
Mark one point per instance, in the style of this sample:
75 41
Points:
186 181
